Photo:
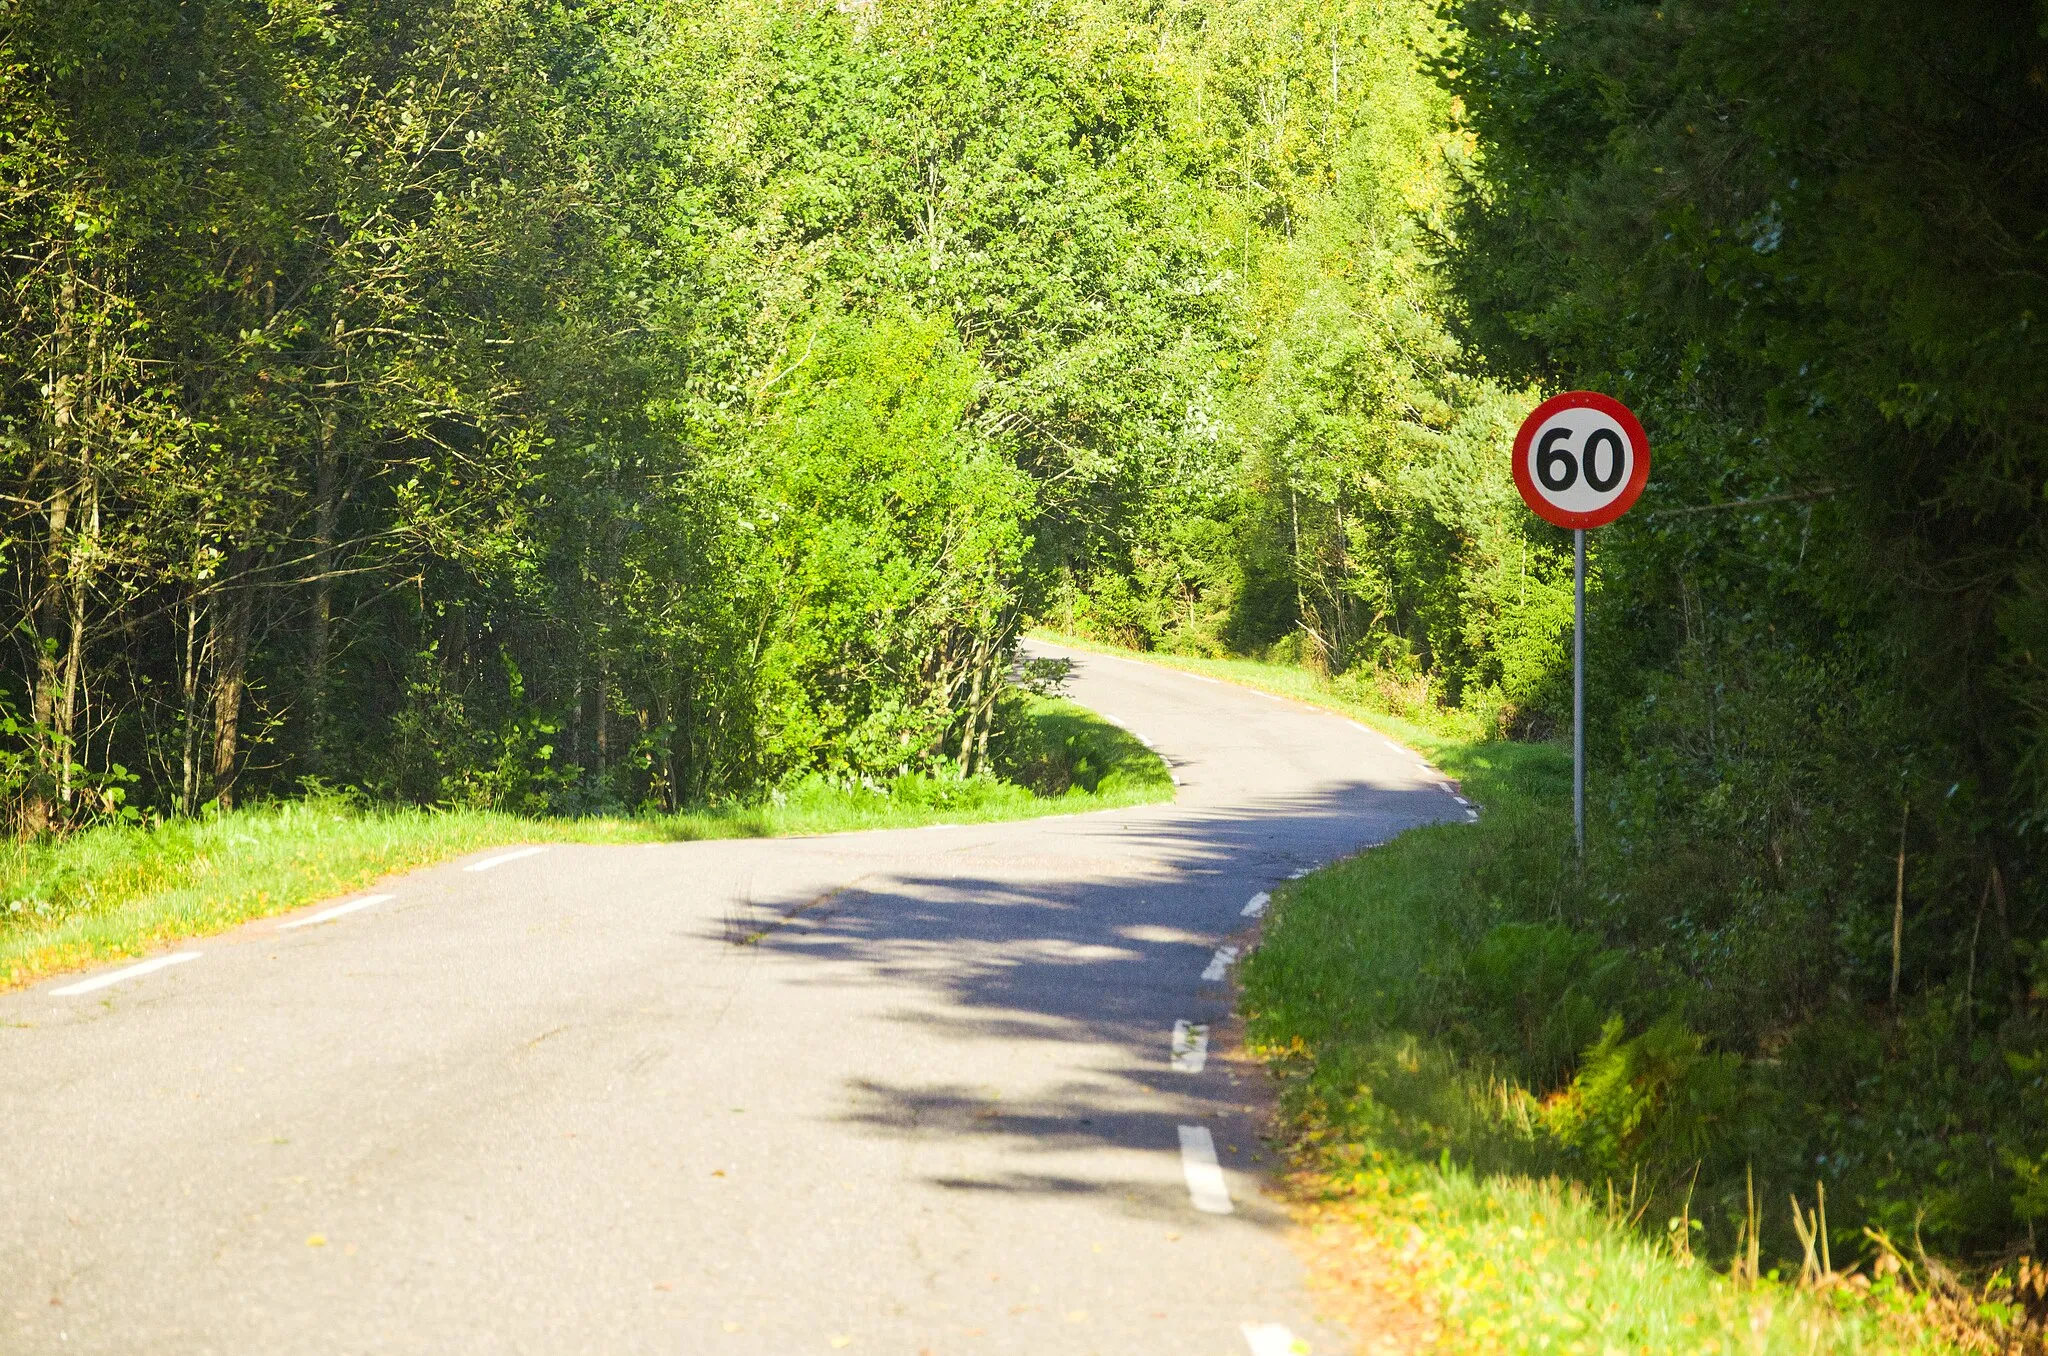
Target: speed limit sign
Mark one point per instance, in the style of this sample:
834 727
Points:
1581 459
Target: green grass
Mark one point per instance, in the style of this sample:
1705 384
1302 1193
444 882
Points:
1433 731
1515 1263
1356 999
115 891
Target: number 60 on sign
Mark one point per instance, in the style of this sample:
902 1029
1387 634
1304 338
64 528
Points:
1581 459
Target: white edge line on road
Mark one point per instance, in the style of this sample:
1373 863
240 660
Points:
128 972
1220 962
1299 872
1190 1047
502 858
337 911
1268 1339
1256 905
1198 1165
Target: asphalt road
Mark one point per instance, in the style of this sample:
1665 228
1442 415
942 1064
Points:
908 1091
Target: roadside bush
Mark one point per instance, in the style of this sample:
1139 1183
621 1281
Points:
1543 992
1053 747
1647 1106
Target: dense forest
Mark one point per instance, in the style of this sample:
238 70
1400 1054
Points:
642 403
1809 244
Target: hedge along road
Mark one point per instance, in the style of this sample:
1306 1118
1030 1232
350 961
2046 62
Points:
899 1091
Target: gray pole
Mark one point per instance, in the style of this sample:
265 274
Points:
1579 690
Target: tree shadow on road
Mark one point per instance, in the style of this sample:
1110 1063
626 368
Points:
1091 932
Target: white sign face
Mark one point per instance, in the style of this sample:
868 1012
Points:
1581 459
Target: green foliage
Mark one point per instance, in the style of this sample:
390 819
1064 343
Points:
623 406
1549 991
656 404
1059 749
1810 642
1656 1098
1409 998
890 528
1354 510
1429 1003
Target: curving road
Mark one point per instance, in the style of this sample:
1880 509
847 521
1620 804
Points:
909 1091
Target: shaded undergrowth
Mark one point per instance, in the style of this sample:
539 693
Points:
1513 1111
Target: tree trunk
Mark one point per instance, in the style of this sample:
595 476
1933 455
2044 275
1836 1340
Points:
49 609
604 726
973 712
1899 903
998 644
576 716
320 617
680 744
38 808
78 570
2005 938
194 658
228 689
988 719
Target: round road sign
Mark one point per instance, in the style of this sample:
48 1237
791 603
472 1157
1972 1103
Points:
1581 459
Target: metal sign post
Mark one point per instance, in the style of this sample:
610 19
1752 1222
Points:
1579 689
1581 460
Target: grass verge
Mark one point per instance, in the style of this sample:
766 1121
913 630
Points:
115 891
1432 1169
1446 732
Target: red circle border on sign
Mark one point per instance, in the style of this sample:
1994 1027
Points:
1639 448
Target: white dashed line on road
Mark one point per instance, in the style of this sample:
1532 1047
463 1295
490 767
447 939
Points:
502 858
1256 905
1198 1164
1299 872
1268 1339
130 972
326 915
1190 1047
1220 962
